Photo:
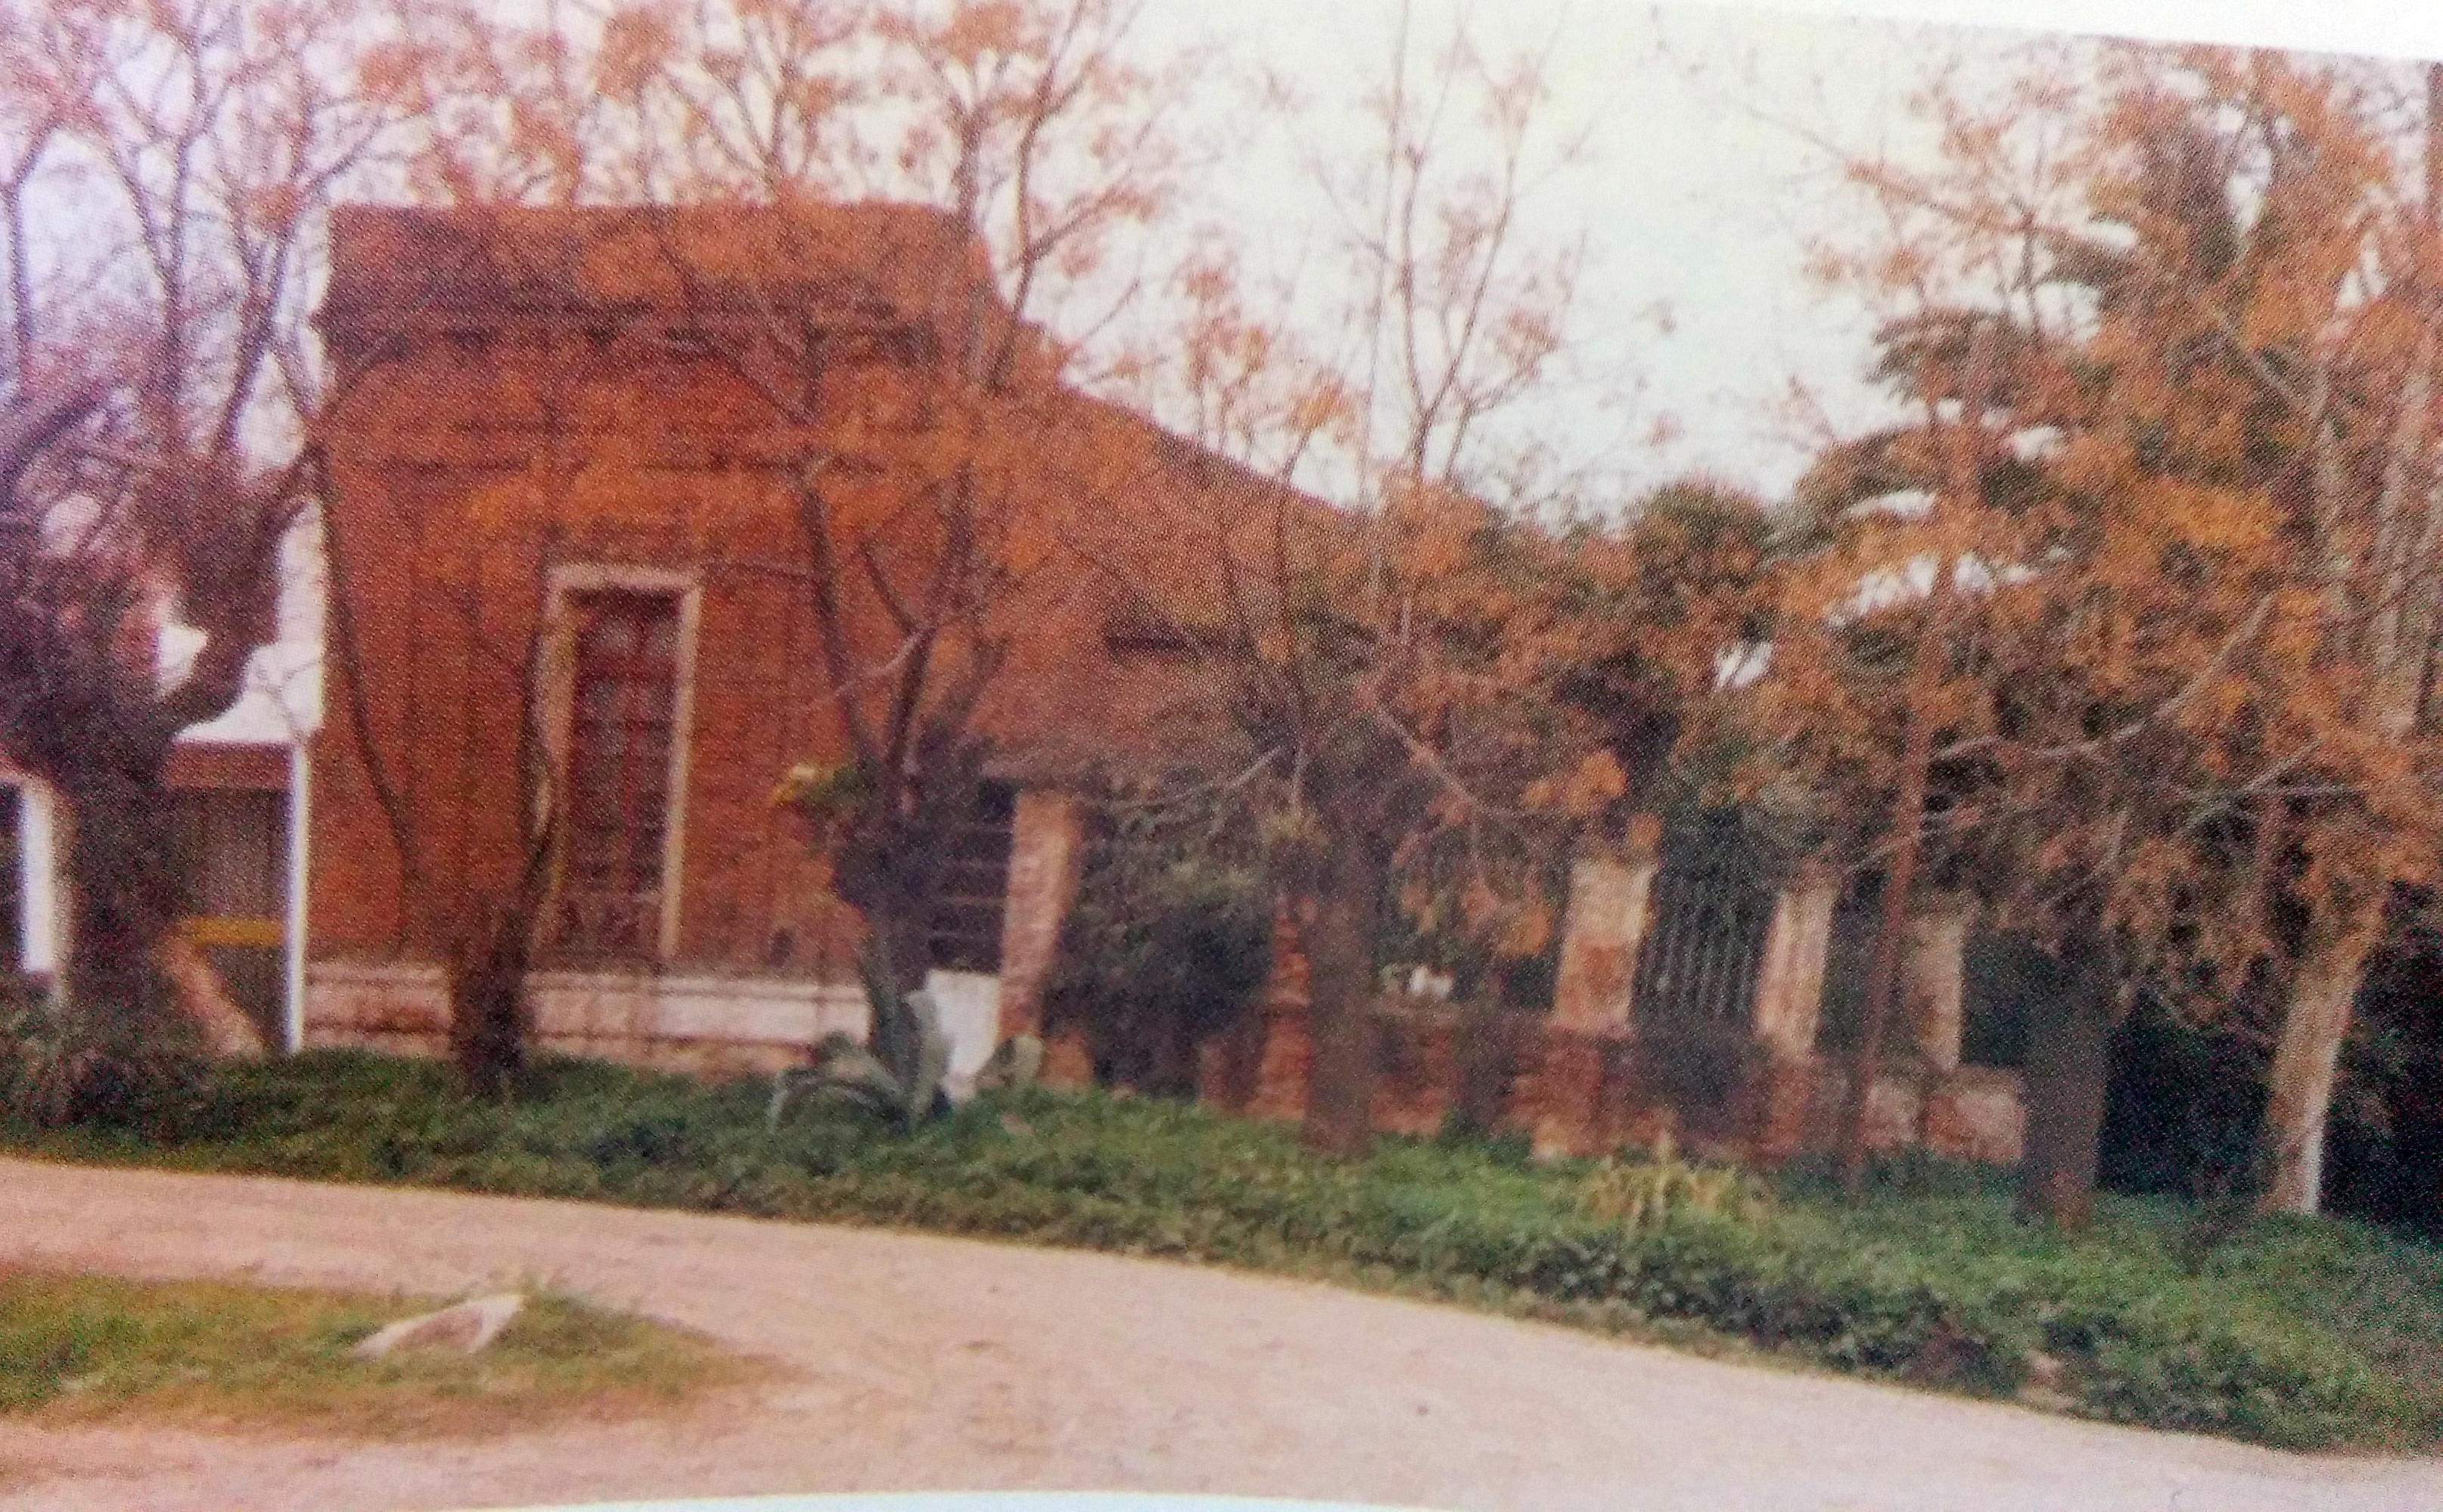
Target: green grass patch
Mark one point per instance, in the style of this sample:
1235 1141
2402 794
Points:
2293 1333
75 1346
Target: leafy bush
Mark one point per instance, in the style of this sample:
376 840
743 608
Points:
1167 945
902 1073
899 1074
1512 1147
2290 1332
59 1066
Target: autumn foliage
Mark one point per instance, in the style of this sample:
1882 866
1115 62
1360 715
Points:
2128 629
2123 625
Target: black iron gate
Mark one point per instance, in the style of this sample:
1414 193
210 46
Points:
1704 938
1694 993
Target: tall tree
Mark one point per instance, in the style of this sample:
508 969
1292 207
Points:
478 843
2382 537
2157 751
1036 132
1380 657
171 166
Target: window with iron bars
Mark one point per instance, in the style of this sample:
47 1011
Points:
622 722
968 914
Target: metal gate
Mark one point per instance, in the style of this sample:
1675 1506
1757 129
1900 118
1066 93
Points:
1694 993
1713 903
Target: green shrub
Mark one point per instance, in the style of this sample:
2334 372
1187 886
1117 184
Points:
1168 942
899 1074
1509 1148
137 1068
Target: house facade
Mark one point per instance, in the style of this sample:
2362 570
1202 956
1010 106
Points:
561 540
557 539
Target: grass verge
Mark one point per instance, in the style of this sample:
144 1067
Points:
75 1346
2293 1333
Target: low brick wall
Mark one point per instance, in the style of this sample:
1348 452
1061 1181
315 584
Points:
1969 1113
1416 1074
1573 1091
1976 1113
1584 1092
402 1010
704 1026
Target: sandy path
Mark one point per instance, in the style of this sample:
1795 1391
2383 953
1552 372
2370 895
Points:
927 1364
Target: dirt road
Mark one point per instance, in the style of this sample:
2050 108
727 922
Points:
921 1363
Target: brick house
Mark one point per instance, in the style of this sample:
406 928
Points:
555 466
556 458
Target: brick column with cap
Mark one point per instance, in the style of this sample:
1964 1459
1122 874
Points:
1934 979
1790 981
1609 900
1046 849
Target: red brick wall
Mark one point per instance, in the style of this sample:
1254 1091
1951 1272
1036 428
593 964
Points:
488 438
1577 1091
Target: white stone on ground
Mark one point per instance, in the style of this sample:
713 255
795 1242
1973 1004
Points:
469 1327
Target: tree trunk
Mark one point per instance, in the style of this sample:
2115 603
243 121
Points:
124 888
1900 884
2299 1092
1962 443
229 1032
128 970
1170 1058
887 866
490 1019
1883 981
901 941
2069 1071
1337 933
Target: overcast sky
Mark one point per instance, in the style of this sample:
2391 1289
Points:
1700 199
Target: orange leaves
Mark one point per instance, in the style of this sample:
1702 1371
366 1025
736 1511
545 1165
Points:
1529 932
638 42
1583 791
1036 123
2235 523
970 33
2177 680
1432 531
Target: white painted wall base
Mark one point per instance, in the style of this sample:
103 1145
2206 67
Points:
687 1023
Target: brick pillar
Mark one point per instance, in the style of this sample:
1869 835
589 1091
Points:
1933 979
1559 1092
1279 1048
1044 855
1605 923
1789 983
